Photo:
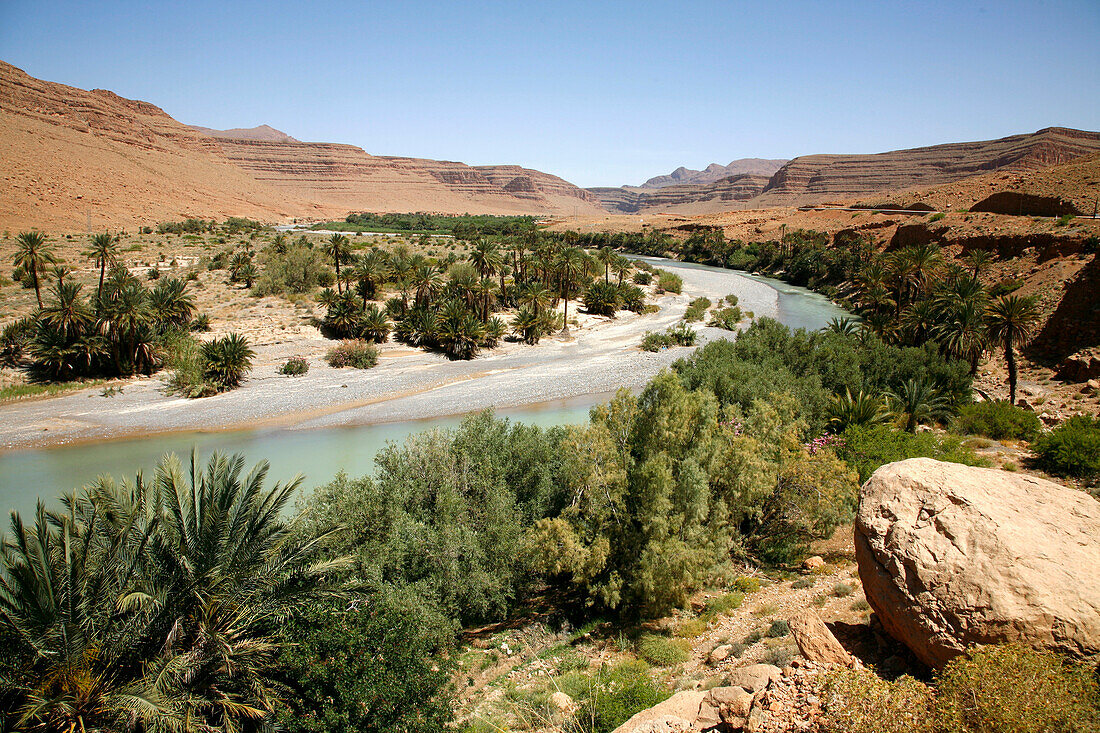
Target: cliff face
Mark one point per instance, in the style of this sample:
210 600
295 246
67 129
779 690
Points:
816 178
715 172
67 154
686 198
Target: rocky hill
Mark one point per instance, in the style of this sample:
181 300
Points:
73 158
685 198
715 172
261 132
900 177
816 178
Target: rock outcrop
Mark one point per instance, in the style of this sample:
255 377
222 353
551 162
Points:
815 178
715 172
684 198
815 642
951 556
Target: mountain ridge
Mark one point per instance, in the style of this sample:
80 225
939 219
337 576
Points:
715 172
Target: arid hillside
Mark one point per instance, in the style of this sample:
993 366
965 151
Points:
879 178
73 158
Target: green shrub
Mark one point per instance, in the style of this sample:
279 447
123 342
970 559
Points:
294 366
1010 688
642 278
1071 449
353 353
803 583
614 695
1015 688
370 666
841 590
601 298
187 378
669 282
866 447
778 629
998 420
859 701
662 651
937 217
696 309
726 318
1004 287
745 584
724 603
681 334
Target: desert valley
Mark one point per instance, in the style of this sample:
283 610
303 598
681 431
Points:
297 436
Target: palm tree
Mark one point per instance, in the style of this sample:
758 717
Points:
917 401
1012 320
842 326
485 289
486 258
918 320
67 313
572 264
125 318
605 256
428 283
33 255
370 271
374 324
535 297
104 250
336 247
860 409
964 333
977 260
527 324
227 360
171 304
621 266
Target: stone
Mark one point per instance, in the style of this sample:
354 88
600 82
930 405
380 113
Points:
683 706
732 703
1080 367
815 642
562 708
719 654
664 724
754 678
952 555
813 563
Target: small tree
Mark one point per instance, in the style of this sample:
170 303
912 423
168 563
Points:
1012 320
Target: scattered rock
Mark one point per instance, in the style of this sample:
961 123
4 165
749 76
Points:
562 708
815 642
1080 367
719 654
952 555
732 703
813 563
753 678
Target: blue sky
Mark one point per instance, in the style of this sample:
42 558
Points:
601 93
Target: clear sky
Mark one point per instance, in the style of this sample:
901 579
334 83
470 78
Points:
601 93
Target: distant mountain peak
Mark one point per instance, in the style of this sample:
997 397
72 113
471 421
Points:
260 132
716 172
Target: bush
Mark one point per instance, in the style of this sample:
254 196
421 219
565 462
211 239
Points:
681 334
841 590
642 278
866 447
294 366
696 309
653 341
1015 688
662 651
353 353
669 282
369 666
803 583
615 696
991 689
1071 449
998 420
778 629
745 584
723 604
859 701
726 318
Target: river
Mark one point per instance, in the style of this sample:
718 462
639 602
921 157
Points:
319 453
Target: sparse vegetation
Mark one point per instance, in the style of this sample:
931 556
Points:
353 353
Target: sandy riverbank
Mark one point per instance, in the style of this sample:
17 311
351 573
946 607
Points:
599 357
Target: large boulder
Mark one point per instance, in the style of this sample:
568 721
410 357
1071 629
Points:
951 556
